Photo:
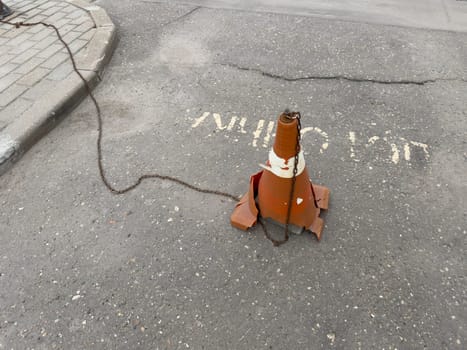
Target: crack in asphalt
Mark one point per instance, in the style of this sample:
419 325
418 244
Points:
182 16
342 77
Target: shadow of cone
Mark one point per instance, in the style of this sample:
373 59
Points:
269 192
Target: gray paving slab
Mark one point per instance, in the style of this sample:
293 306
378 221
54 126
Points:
36 63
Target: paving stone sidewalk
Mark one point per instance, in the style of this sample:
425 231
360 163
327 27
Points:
37 81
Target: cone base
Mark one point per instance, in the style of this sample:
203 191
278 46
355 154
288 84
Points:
243 218
245 214
322 199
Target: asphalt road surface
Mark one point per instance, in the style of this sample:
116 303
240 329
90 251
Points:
193 91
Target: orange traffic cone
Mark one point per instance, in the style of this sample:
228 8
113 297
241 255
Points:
284 177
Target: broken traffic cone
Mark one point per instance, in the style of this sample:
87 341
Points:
284 177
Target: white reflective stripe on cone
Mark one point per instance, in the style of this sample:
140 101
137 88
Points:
282 167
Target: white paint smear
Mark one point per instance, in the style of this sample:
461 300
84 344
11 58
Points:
242 125
373 139
199 120
320 132
218 120
258 132
233 120
407 151
422 145
395 153
267 138
352 138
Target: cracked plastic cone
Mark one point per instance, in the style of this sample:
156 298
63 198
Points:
270 188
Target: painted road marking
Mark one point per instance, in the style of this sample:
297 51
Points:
399 148
407 151
267 138
257 133
199 120
324 135
423 146
352 138
218 120
395 153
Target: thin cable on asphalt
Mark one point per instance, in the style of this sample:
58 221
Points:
156 175
100 129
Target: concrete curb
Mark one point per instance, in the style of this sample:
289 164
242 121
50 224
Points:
47 112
